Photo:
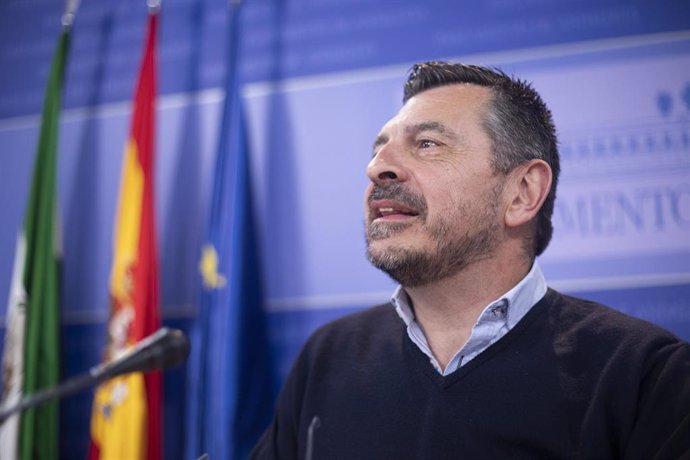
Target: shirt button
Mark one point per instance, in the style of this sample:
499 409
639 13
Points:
499 311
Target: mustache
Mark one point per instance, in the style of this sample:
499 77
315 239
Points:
401 194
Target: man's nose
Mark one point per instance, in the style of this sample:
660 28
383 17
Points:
386 166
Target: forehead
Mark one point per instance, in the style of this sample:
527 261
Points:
457 104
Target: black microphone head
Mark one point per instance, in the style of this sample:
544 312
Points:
169 349
162 350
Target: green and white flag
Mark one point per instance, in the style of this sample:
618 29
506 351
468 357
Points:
31 358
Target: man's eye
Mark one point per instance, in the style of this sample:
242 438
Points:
426 143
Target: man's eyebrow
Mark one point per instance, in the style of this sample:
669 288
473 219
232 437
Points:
435 126
380 140
424 126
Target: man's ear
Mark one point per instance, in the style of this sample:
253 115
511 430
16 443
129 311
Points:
529 186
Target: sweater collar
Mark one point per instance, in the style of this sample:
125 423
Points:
497 318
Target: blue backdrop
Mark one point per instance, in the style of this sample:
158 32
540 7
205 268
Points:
322 77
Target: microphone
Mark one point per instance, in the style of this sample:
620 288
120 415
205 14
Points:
162 350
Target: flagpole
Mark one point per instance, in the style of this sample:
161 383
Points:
71 7
154 6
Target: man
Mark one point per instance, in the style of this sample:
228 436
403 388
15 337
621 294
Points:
476 357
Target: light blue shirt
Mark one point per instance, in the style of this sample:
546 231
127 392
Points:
495 321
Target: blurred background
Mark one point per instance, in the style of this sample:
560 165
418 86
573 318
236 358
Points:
320 77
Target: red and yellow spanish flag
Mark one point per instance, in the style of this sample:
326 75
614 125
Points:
126 414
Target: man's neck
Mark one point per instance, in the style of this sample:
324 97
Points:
448 309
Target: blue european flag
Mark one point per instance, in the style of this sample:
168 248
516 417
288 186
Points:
230 384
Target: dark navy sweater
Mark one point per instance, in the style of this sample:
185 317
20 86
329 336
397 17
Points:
573 379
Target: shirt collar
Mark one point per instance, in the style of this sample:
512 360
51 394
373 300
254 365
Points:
518 300
525 294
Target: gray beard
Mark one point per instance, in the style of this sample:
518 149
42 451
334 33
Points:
453 252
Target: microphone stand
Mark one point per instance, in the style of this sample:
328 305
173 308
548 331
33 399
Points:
64 389
161 350
315 423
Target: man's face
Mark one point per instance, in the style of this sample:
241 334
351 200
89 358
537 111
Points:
434 203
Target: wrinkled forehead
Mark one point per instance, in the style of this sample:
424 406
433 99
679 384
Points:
452 105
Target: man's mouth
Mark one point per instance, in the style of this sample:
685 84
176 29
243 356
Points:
387 210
